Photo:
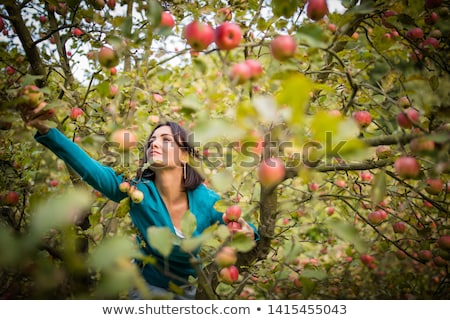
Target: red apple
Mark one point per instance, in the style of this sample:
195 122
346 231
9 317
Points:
227 36
77 32
53 183
421 145
111 4
399 227
376 217
407 118
157 97
2 24
226 257
113 91
240 73
229 274
256 68
434 185
330 210
425 255
167 20
407 167
233 213
432 18
10 70
316 9
313 186
283 47
108 57
199 35
439 261
113 71
429 44
75 113
363 118
414 34
11 198
125 138
444 242
366 259
332 27
271 171
366 176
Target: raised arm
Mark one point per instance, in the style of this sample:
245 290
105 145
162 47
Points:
101 177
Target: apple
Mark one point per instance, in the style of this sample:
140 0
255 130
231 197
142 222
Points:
425 255
77 32
376 217
271 171
407 167
137 196
240 73
233 213
167 20
111 4
436 33
11 198
97 4
313 186
429 44
399 227
366 259
366 176
407 118
439 261
226 256
256 68
125 138
2 24
421 145
113 91
224 14
362 117
414 34
444 242
153 119
10 70
403 102
434 185
383 152
329 210
75 113
108 57
332 27
157 97
431 4
401 255
227 36
113 71
283 47
30 96
53 183
124 186
198 35
229 274
316 9
432 18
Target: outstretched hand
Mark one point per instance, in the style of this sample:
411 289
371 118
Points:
35 117
244 227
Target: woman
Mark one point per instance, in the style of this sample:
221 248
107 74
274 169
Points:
170 187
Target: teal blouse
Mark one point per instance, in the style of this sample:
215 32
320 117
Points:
150 212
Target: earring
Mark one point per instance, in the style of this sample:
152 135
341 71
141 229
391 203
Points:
184 171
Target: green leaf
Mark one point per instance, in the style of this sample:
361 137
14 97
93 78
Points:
242 243
162 239
123 208
378 191
111 250
295 93
188 224
349 233
308 286
192 244
313 35
57 212
314 274
291 250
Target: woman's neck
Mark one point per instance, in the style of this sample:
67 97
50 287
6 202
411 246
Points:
169 184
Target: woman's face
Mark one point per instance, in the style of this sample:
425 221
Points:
162 150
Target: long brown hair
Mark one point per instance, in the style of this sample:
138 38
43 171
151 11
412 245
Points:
193 178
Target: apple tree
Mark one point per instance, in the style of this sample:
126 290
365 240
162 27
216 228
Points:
324 123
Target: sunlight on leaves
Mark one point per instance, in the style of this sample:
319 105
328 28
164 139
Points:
162 239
